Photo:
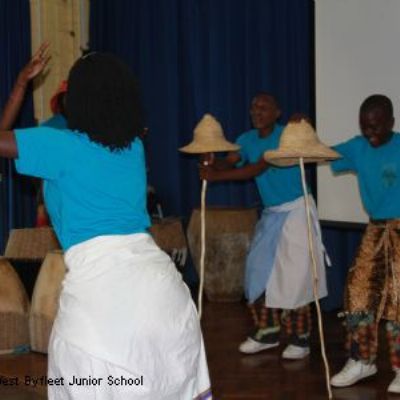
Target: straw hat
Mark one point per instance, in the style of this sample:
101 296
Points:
299 139
208 138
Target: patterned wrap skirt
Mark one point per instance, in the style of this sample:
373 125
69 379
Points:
373 283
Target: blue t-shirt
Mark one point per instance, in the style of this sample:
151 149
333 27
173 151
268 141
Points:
378 174
57 121
276 185
89 190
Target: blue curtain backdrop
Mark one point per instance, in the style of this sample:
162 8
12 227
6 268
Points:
16 192
341 243
199 56
192 57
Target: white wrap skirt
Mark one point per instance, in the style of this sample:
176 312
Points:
126 327
279 260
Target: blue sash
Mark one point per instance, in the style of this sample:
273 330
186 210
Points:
262 251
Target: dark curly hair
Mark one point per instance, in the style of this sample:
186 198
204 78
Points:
103 101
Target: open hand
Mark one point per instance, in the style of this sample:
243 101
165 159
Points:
36 65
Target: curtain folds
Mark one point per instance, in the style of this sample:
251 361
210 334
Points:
17 193
198 56
192 57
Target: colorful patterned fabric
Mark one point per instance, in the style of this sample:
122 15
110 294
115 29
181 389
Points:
298 325
373 284
393 336
361 341
362 338
268 321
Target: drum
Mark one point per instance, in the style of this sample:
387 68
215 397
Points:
14 309
228 235
46 294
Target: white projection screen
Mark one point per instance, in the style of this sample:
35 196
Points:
357 53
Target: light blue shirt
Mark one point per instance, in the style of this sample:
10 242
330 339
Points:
378 174
89 190
276 185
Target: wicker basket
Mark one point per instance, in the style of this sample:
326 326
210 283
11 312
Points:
31 244
14 309
45 300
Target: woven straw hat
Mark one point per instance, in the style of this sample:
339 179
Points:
208 138
299 140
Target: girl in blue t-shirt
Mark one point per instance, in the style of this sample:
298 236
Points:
124 310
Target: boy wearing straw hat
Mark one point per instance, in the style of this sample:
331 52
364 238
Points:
278 261
372 289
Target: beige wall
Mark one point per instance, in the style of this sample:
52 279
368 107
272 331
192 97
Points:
65 25
356 55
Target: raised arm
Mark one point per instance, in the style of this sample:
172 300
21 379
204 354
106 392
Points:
8 145
16 98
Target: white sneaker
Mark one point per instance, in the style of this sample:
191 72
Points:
352 372
250 346
394 386
293 352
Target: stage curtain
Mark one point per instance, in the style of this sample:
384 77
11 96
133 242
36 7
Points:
206 56
16 192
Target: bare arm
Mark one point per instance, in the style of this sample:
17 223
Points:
248 171
220 163
8 145
227 163
16 98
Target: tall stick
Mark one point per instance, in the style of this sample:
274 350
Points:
315 279
202 245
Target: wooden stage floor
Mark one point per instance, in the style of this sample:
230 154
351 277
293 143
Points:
242 377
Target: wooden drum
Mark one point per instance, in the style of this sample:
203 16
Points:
228 235
45 299
14 309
